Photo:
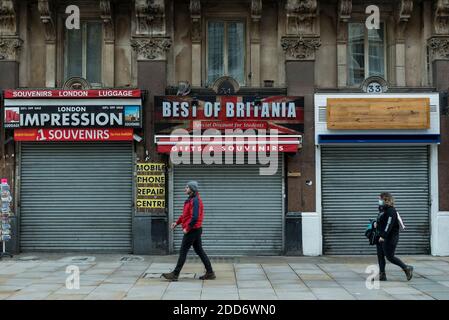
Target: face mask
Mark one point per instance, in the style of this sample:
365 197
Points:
381 202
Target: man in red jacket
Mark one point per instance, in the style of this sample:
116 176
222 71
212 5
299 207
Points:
191 221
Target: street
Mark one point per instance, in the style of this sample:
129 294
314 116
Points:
116 277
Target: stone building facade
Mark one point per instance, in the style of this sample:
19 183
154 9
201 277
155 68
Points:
286 48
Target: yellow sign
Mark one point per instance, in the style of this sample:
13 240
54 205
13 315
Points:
151 179
150 204
150 191
150 186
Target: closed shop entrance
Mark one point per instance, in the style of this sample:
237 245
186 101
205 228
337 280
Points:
352 179
243 209
76 196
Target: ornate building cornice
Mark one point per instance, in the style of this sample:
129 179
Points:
9 48
300 48
108 23
153 48
301 16
45 8
195 16
439 47
8 18
150 16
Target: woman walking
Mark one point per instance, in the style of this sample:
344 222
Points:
387 226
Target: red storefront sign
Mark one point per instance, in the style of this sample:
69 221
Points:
229 144
224 125
70 94
73 134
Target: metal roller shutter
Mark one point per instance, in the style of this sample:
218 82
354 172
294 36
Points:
352 179
76 197
243 210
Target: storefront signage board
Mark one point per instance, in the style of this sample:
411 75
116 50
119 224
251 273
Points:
378 114
151 185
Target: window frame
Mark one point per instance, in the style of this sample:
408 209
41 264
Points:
83 27
366 53
226 21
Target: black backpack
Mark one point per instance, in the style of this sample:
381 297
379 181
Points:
371 233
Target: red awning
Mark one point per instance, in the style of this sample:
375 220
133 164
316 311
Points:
168 144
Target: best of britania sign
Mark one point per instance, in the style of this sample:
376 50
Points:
265 110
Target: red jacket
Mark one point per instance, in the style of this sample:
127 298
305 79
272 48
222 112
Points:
192 214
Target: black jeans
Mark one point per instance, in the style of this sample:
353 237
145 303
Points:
386 249
193 237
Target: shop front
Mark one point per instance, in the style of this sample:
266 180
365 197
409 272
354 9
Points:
75 167
371 144
225 143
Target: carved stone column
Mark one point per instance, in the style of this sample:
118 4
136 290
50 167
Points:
438 45
10 45
196 37
256 15
109 43
46 12
151 45
300 44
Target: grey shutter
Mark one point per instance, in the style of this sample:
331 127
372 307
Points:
242 209
76 197
352 179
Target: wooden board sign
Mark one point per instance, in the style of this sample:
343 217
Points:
378 114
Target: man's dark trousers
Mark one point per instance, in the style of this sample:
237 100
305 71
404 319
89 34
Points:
192 238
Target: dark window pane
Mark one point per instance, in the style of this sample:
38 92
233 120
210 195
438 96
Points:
376 52
236 51
215 54
356 53
93 52
74 53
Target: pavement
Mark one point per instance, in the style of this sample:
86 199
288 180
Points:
36 276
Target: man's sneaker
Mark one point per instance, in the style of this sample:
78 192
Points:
382 276
208 276
409 272
171 276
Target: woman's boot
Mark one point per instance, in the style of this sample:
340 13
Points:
382 276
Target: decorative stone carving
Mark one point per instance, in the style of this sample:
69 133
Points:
344 14
256 9
76 83
151 48
8 20
9 48
300 48
344 10
46 14
108 23
301 16
404 11
150 16
441 16
195 16
439 48
256 15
